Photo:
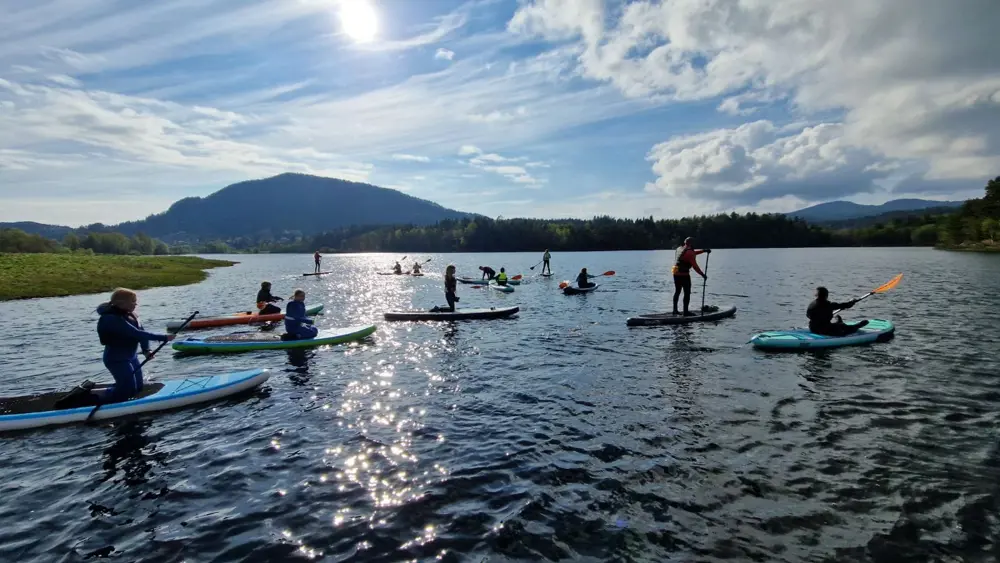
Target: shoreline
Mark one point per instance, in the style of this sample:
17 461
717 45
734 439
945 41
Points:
32 276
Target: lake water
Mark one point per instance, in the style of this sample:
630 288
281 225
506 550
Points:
559 434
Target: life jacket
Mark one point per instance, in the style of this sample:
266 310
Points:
682 267
502 277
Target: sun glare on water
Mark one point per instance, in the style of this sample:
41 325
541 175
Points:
357 18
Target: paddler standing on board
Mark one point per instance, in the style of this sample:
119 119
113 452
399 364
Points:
684 261
545 262
316 259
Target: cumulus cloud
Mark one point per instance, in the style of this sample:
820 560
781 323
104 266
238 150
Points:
758 161
410 158
911 79
444 54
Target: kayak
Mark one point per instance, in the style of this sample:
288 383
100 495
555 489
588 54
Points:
876 330
249 341
456 315
243 318
34 411
503 288
317 274
402 274
570 290
658 319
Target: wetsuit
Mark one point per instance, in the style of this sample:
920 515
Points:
582 281
682 275
264 303
450 286
316 258
297 325
820 315
488 272
397 269
120 333
545 262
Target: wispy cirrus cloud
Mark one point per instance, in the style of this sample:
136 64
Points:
410 158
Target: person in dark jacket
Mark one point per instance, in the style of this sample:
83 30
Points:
583 279
121 332
297 325
488 273
265 300
450 287
820 313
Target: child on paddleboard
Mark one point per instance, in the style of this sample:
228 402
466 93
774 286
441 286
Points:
297 325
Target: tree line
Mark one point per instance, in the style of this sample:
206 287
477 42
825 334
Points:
18 241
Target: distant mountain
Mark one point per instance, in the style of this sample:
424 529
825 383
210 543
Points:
282 206
843 210
55 232
884 218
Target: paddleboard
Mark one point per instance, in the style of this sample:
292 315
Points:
34 411
456 315
249 341
546 275
471 281
317 274
876 330
243 318
503 288
571 290
658 319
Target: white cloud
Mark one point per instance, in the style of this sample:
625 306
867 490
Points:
502 165
410 158
913 79
468 149
444 54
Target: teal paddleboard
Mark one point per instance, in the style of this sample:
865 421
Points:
876 330
251 341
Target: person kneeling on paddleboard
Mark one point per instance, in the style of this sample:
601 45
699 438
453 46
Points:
121 332
265 300
488 272
297 325
582 280
684 261
820 313
397 269
502 277
416 268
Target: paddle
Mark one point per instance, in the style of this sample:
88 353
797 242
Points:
536 265
704 284
565 284
150 357
880 289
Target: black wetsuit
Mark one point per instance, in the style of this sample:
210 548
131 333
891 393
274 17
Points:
820 315
582 281
264 296
450 285
488 273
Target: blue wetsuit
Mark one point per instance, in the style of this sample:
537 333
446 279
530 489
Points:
120 332
297 325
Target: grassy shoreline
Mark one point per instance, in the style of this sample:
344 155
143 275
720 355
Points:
26 276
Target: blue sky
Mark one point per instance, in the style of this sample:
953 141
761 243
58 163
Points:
112 110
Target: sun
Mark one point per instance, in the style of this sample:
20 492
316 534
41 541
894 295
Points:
358 20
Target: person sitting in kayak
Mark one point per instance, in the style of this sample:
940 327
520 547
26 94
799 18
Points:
502 277
121 332
265 300
545 262
820 313
488 273
684 261
297 325
583 279
316 259
416 267
397 269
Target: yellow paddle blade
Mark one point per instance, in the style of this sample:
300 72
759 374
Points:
889 285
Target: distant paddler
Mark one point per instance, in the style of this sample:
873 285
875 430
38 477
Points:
316 259
684 261
545 262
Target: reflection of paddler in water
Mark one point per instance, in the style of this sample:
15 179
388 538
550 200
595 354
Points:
684 261
265 300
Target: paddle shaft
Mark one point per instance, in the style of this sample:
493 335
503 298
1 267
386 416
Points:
704 284
150 357
536 265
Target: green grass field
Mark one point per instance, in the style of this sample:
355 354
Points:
23 276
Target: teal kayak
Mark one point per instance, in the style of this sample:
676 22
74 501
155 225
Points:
34 411
876 330
250 341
